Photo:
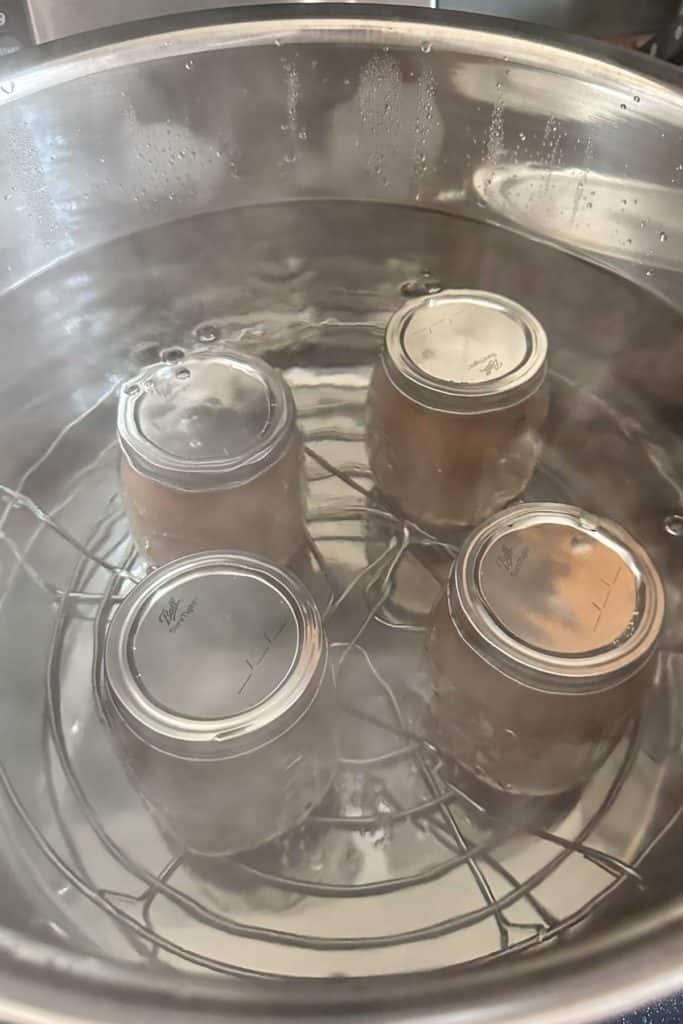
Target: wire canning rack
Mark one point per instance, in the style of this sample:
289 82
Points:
407 862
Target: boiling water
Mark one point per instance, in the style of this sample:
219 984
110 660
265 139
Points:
397 868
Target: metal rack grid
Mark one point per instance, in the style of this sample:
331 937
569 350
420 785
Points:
441 814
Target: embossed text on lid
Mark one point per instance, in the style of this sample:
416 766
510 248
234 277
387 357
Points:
560 589
215 418
220 644
557 594
465 351
214 644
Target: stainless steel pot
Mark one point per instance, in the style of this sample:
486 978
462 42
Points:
276 179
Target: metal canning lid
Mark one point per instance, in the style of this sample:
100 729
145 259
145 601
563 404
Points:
556 597
215 419
215 653
465 351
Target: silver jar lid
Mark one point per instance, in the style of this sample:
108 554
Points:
216 418
214 653
465 351
557 598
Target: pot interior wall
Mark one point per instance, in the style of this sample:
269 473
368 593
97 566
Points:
283 188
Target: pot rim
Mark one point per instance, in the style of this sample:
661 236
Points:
592 977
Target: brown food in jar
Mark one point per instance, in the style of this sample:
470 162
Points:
455 406
212 458
219 693
543 647
264 515
517 738
445 469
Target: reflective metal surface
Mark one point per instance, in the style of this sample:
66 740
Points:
53 19
148 202
565 595
204 642
217 691
462 351
215 419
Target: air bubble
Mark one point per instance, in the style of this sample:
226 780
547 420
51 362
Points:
189 65
649 272
418 289
622 106
426 47
663 237
207 334
183 373
172 355
131 390
674 525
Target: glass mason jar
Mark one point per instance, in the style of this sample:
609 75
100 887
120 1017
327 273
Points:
455 405
220 697
543 646
212 458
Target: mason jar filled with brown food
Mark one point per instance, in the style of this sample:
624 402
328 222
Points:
212 458
455 406
219 693
543 646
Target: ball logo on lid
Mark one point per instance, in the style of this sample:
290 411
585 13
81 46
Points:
466 344
465 351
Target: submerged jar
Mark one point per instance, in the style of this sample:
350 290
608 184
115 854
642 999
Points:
455 405
543 646
219 693
212 458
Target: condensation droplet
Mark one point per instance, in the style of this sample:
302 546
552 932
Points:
189 64
426 47
131 390
663 237
649 272
183 373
